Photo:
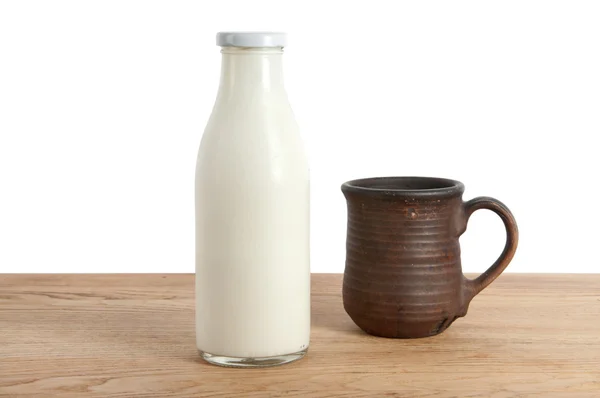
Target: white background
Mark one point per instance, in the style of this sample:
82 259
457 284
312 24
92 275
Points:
102 107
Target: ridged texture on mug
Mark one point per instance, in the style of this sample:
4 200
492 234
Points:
403 276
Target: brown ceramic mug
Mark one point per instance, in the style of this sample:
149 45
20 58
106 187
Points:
403 275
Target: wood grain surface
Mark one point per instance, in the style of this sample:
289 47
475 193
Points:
133 335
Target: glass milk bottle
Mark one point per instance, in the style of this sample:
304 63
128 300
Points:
252 213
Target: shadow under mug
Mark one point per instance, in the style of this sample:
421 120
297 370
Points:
403 276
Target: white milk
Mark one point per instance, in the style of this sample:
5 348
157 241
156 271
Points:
252 216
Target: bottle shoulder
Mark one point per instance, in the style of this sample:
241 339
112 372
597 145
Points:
252 155
259 124
252 112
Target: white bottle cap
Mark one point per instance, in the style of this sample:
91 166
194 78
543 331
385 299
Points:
251 39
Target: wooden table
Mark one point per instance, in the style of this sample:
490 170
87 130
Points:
133 335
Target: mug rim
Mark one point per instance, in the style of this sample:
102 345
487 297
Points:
442 187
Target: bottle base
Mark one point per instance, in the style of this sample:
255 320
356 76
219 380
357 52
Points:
262 362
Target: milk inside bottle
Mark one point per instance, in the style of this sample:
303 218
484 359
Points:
252 213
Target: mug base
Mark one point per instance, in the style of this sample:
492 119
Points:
262 362
408 330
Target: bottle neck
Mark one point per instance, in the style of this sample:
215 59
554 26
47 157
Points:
251 69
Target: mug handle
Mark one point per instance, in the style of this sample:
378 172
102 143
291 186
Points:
473 287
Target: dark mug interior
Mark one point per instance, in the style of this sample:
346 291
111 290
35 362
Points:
405 186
